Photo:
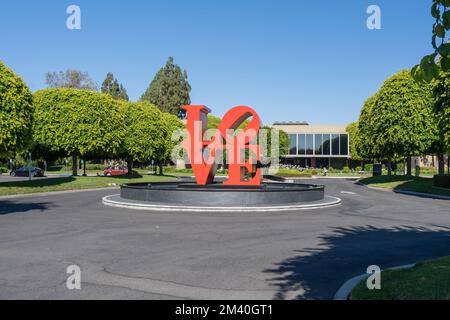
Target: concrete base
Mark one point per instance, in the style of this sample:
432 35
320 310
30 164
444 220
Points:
187 193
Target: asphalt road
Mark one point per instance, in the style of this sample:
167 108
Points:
130 254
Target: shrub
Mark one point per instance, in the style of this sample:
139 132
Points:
93 166
442 181
428 171
346 170
3 170
282 172
175 170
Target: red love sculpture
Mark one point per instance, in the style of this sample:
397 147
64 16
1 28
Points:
225 138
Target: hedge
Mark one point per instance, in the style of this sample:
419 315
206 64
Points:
442 181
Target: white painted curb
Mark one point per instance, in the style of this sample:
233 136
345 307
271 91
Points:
334 201
346 289
408 193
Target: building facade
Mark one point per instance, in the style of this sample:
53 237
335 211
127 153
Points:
316 146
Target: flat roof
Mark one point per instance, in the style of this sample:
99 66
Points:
291 123
311 128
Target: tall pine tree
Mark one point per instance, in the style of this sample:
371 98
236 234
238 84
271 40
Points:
112 87
169 90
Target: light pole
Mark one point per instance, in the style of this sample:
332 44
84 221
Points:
29 166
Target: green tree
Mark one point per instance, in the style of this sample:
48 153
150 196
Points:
168 125
74 79
441 107
78 122
431 65
356 147
143 134
398 120
169 90
16 112
112 87
283 141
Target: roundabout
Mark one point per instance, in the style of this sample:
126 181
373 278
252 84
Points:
216 197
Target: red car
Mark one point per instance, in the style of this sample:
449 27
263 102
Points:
115 171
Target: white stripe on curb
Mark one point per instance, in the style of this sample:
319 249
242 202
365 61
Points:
346 289
334 201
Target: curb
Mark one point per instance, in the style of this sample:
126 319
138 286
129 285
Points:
346 289
161 207
43 194
409 193
338 177
423 195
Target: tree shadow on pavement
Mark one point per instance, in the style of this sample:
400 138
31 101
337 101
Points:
10 207
317 273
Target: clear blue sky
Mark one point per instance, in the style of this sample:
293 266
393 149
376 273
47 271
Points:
290 60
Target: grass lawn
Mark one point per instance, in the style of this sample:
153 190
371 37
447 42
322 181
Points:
405 183
73 183
426 281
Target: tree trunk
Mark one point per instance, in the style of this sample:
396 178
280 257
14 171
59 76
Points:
448 164
389 167
84 168
130 165
74 164
441 164
160 168
408 166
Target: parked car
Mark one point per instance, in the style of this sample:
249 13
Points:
115 171
25 172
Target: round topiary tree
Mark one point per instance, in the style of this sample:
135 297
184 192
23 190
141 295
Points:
356 144
148 133
143 132
78 122
169 124
398 121
16 110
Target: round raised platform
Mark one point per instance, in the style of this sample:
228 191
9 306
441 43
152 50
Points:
218 194
188 196
119 202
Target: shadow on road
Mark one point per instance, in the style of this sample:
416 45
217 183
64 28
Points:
37 182
9 207
347 252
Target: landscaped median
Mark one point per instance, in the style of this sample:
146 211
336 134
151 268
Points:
425 281
406 183
73 183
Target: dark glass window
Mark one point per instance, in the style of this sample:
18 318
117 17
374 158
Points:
326 144
318 144
309 144
335 144
302 144
293 144
344 145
